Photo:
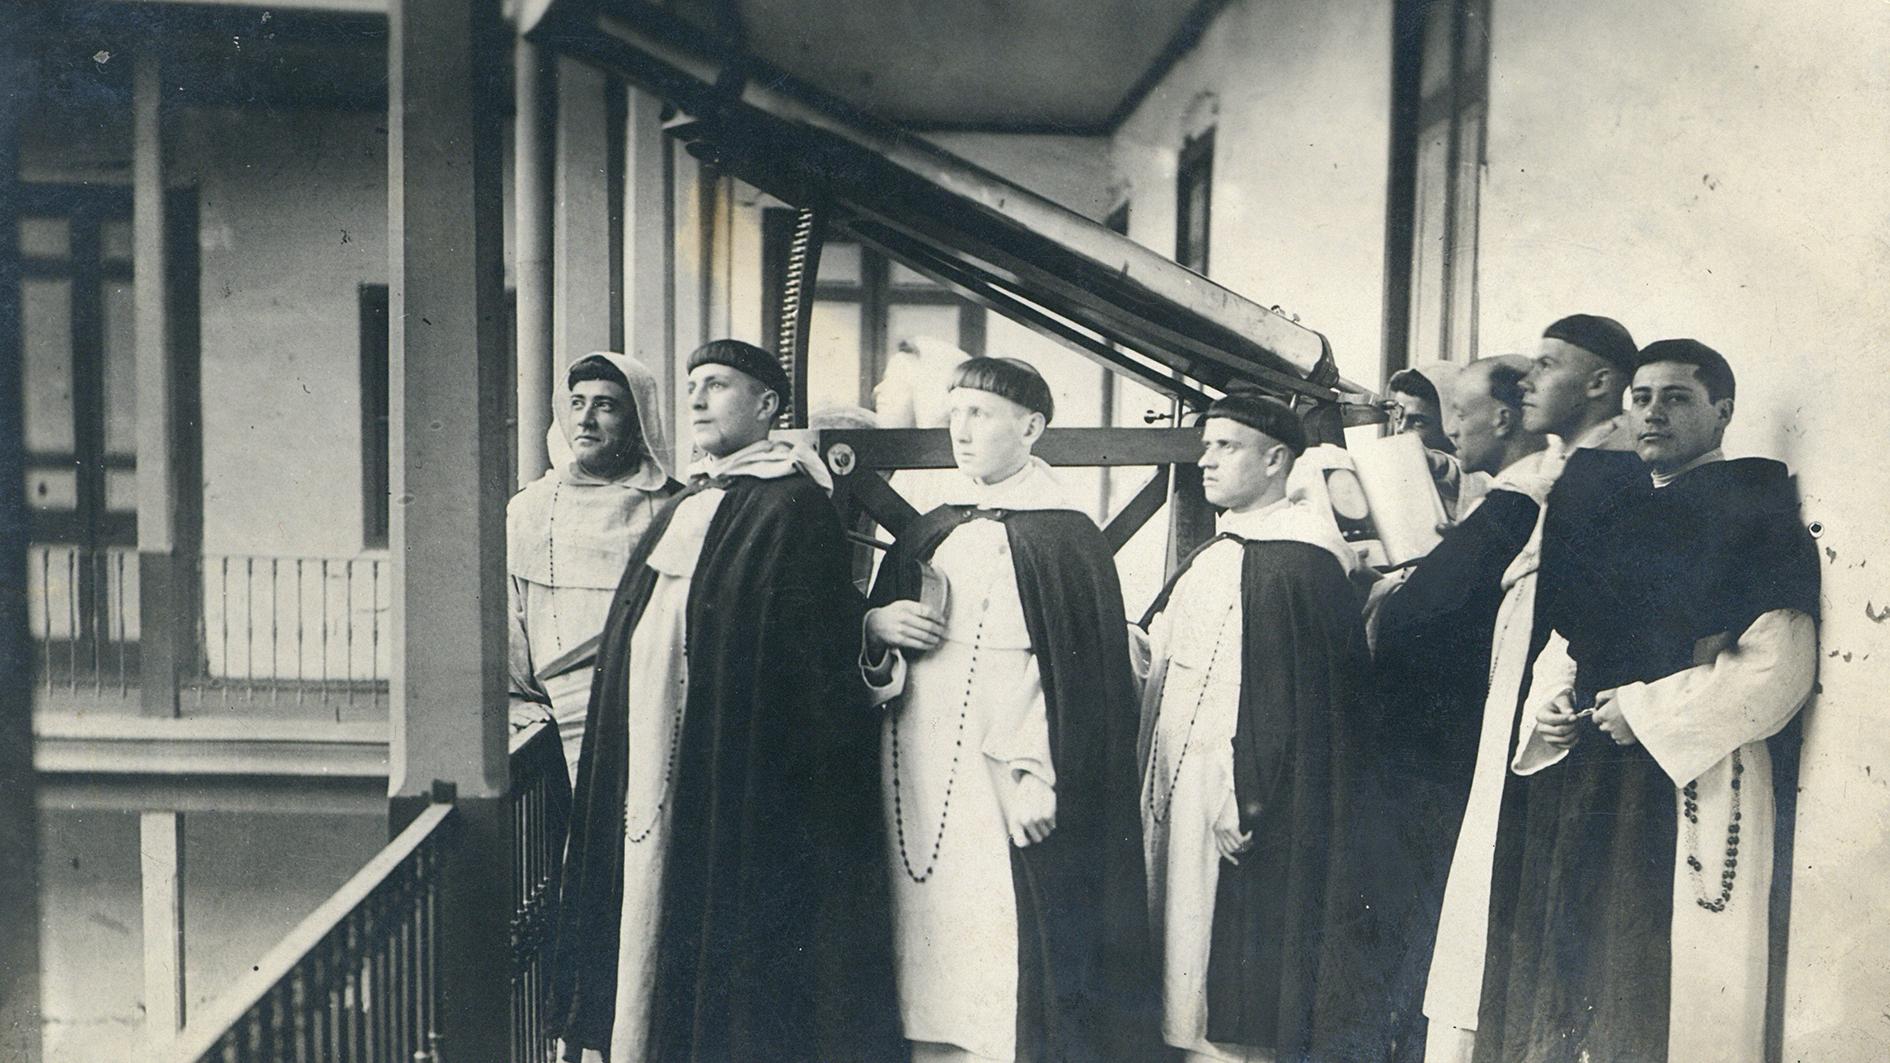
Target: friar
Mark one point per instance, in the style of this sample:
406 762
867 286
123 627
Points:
1432 661
1641 926
569 533
1253 750
724 893
1572 394
997 643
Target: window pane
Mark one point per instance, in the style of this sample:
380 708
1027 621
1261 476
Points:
840 263
1434 74
1429 244
53 489
115 240
121 490
904 276
833 355
121 370
47 317
911 322
45 237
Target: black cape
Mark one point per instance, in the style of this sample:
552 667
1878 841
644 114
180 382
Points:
1086 989
1581 962
1432 676
1296 960
775 938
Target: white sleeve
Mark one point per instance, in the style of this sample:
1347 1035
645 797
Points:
1553 674
885 675
1020 740
1695 718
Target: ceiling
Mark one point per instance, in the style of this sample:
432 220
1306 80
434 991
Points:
1069 66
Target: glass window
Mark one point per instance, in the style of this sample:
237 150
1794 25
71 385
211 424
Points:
46 306
1194 187
45 237
833 355
840 263
114 236
121 370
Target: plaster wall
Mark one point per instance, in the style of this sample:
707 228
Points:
1716 170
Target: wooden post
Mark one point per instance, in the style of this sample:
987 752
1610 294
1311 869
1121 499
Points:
581 241
20 1032
535 99
648 268
161 642
450 477
161 876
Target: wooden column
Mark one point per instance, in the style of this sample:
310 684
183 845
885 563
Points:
161 877
649 262
535 99
580 309
162 641
19 815
450 477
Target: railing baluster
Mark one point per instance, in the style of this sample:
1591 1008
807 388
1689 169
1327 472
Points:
100 624
45 598
300 683
249 627
325 635
275 642
347 619
223 615
124 628
374 618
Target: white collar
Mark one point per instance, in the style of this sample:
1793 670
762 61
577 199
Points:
1708 458
1035 486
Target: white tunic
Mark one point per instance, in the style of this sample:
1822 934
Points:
1194 646
972 718
1693 723
658 695
1454 989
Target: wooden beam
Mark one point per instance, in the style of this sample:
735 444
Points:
451 470
1143 505
931 448
161 644
581 236
161 877
20 1030
533 137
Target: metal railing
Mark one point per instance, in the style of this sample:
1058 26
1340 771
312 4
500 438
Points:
292 631
358 979
355 981
270 633
541 811
82 606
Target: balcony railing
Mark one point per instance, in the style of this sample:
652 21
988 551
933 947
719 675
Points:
285 635
359 979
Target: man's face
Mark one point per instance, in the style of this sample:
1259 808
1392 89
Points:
1420 417
1477 423
991 435
1558 387
1239 464
728 409
1671 418
605 438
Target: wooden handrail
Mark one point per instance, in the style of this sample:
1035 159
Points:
201 1037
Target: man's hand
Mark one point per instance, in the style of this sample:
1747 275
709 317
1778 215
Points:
905 624
1611 720
1557 722
1228 837
1032 809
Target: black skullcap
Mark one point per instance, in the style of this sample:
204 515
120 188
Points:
1010 378
1269 417
1708 364
750 360
1603 337
594 367
1409 381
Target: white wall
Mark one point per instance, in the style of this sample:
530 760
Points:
293 210
1301 143
1718 170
